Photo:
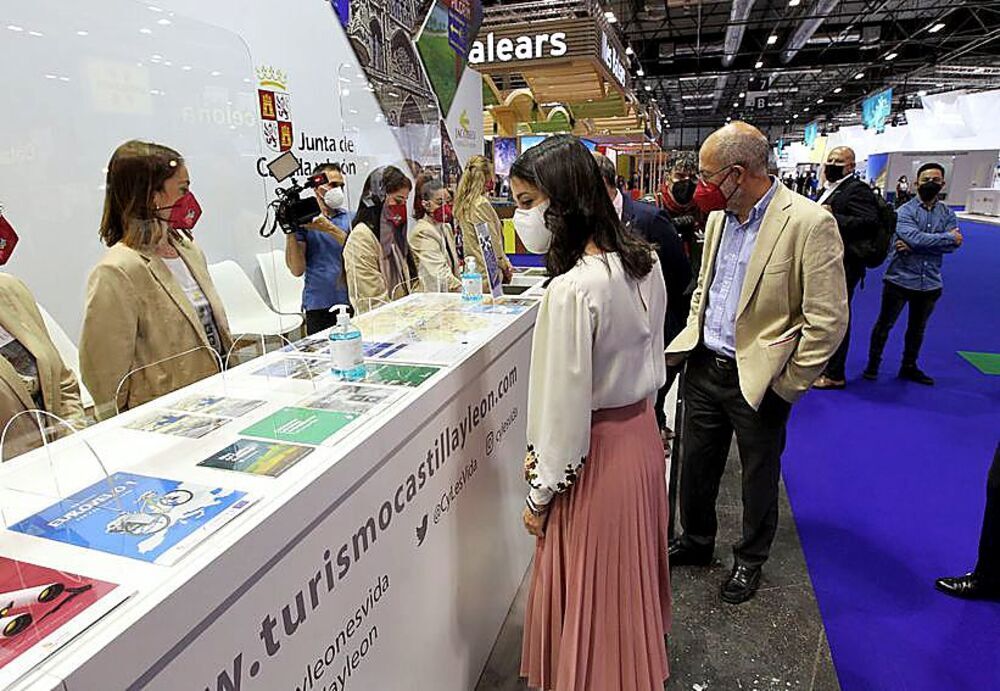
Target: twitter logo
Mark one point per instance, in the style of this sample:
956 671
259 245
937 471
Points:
422 531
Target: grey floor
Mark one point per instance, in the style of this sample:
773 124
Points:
775 642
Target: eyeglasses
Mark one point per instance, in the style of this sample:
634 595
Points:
705 176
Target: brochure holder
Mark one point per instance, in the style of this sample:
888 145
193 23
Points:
215 355
305 362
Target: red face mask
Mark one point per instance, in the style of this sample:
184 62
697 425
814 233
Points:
8 240
490 184
709 197
395 214
185 212
442 214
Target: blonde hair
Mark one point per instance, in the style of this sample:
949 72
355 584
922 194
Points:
471 186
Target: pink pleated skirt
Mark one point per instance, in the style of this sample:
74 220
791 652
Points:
599 604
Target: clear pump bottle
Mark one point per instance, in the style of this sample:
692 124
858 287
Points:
347 359
472 282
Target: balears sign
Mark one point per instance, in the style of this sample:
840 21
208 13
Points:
518 48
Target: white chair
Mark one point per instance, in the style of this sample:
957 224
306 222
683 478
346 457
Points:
283 289
67 351
246 309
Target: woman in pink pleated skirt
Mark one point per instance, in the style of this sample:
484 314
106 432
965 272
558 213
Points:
599 606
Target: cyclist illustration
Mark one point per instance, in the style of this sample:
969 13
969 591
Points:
156 512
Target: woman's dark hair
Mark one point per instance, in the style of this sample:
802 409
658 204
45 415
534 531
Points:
137 171
380 183
427 186
579 207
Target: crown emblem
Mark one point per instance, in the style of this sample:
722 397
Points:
272 76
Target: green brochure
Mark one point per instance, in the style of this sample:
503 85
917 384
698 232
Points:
300 425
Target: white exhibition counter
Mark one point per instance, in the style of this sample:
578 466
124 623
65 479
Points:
985 201
385 558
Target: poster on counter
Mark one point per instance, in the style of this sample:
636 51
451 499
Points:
147 518
295 368
398 375
352 398
492 267
257 457
178 424
42 609
300 425
222 406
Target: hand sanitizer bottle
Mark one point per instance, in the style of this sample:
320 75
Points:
346 356
472 282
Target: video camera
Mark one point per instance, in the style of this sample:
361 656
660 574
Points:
290 210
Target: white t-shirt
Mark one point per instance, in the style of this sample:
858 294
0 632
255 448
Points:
598 344
198 300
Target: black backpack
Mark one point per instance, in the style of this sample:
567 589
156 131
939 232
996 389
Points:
873 251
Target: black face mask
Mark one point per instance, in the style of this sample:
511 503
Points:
834 172
683 191
929 190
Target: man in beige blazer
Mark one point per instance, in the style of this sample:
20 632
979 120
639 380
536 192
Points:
142 337
32 373
769 310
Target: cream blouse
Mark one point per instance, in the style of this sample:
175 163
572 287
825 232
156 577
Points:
598 344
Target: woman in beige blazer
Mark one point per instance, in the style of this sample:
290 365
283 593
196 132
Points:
377 258
432 240
33 375
153 322
472 208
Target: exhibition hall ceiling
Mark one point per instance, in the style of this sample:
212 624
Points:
769 61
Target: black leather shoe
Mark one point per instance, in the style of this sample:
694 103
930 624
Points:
870 373
681 553
969 587
914 374
742 584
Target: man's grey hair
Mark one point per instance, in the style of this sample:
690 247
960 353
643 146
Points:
607 169
741 147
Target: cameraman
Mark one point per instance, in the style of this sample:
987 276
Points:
317 250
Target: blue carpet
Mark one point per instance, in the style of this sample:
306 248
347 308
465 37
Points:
887 484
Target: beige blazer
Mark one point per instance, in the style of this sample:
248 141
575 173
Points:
792 311
365 282
138 318
19 315
483 212
434 253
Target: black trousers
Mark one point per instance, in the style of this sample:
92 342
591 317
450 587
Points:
988 566
319 320
714 408
894 298
854 271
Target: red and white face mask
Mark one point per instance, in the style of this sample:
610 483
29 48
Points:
8 239
184 213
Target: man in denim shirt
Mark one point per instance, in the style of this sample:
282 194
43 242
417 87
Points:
926 230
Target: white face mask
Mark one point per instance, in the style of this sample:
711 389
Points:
334 198
530 226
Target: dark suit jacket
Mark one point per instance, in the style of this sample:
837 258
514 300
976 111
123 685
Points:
654 226
853 205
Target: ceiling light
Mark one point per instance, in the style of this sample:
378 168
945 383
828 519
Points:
760 63
736 104
743 94
83 33
859 75
806 109
629 51
796 115
772 39
891 56
819 100
38 34
922 93
15 27
154 8
837 90
787 121
163 22
216 73
936 28
641 72
610 16
794 3
144 30
649 88
187 68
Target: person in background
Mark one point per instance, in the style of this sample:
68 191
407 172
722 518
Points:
654 226
473 208
595 467
317 250
153 322
377 258
902 191
769 311
33 375
432 240
983 583
855 209
681 206
926 230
